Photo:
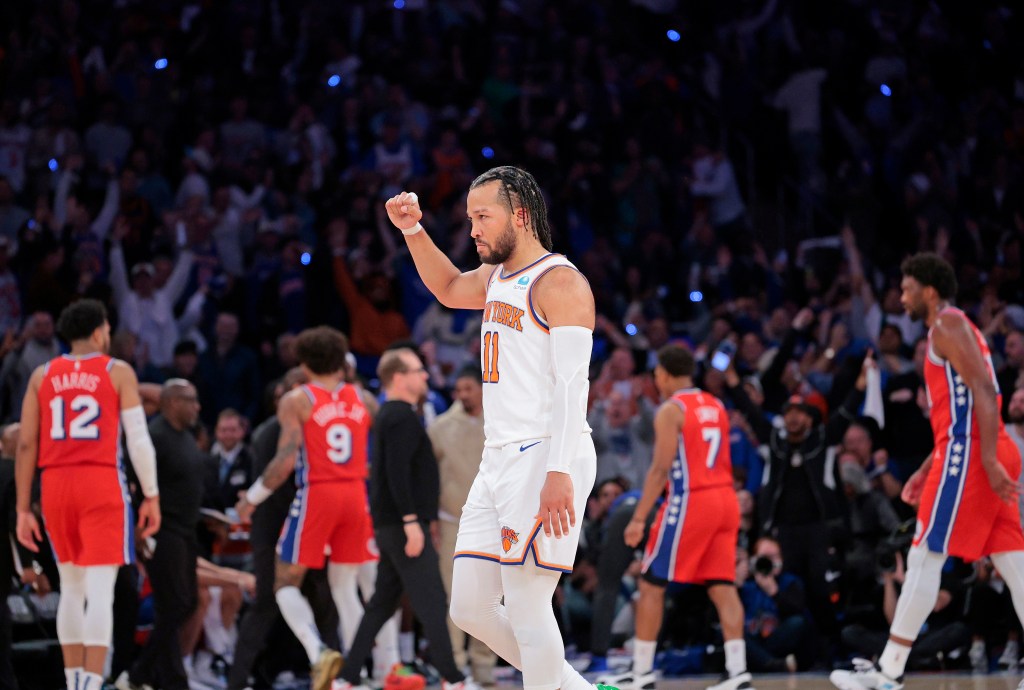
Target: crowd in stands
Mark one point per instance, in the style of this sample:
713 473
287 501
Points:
215 173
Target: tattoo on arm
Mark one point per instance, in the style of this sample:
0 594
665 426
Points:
284 460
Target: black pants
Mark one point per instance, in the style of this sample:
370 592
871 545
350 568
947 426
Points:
805 553
612 563
7 679
172 574
925 652
126 613
422 576
262 616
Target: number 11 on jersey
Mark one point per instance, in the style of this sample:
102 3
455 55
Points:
489 357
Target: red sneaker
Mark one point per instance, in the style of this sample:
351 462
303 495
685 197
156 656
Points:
403 678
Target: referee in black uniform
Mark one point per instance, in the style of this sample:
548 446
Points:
404 492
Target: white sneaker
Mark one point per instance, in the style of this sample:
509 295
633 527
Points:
1008 659
123 683
628 681
339 684
978 657
864 676
740 681
466 684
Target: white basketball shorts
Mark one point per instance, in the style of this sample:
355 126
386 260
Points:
499 520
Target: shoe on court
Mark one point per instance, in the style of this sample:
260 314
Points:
866 675
123 683
741 681
325 669
340 684
402 677
628 680
466 683
1008 659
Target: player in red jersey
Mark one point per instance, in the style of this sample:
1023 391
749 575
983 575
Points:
324 428
965 491
71 421
693 538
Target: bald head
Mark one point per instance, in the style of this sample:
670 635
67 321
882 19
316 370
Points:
179 403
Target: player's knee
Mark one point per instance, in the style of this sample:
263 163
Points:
465 614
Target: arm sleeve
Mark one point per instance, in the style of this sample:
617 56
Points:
570 358
140 449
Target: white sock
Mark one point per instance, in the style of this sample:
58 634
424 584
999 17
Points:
186 661
406 642
735 657
893 659
71 675
90 681
299 617
643 655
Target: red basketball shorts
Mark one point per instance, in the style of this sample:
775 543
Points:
328 520
88 515
693 538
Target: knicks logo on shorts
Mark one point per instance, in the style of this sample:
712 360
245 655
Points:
508 538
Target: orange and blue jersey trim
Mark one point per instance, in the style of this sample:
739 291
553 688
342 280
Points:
534 316
505 278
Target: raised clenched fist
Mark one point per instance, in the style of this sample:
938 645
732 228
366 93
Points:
404 210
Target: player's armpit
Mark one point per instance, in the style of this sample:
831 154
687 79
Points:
563 298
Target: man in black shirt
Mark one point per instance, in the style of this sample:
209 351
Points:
171 565
404 492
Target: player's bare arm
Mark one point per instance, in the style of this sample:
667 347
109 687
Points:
565 302
140 447
449 285
667 422
25 459
291 414
954 341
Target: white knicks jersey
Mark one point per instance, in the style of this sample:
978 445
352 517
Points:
515 357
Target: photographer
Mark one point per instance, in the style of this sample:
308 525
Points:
943 632
776 624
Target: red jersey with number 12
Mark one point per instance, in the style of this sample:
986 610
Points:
334 438
79 412
704 460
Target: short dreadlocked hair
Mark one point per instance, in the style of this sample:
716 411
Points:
931 270
520 190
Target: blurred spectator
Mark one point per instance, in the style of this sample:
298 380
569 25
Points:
871 519
36 345
144 307
989 615
1011 375
228 373
229 469
861 443
12 216
715 180
106 142
10 295
623 431
374 318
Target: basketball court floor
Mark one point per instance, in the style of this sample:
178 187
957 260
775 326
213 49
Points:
809 681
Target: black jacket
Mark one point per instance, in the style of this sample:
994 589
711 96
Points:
817 457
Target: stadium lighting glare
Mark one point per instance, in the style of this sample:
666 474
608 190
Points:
673 35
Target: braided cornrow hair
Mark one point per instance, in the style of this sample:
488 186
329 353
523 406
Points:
520 189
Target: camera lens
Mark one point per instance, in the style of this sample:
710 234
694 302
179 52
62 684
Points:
763 565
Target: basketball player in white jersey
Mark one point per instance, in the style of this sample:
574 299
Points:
519 528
